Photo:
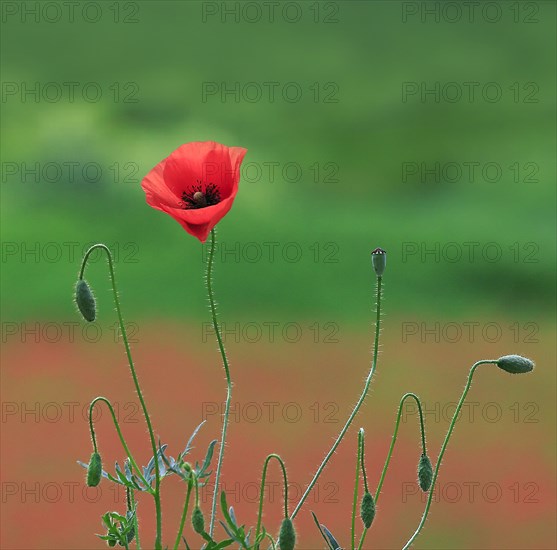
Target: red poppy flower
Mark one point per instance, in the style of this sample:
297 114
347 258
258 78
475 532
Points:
196 185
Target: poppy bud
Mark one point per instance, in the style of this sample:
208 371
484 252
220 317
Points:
94 470
287 535
367 510
379 261
197 520
425 473
85 300
515 364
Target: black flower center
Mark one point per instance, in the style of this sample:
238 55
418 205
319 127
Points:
200 196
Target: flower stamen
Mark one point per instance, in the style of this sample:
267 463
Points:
197 197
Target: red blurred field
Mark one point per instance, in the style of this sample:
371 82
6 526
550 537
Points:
497 483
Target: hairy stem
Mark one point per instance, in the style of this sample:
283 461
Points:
443 448
184 516
135 521
228 379
356 484
156 494
395 434
262 490
120 435
356 408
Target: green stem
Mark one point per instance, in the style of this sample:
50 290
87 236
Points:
184 516
356 408
362 538
395 434
120 435
228 379
135 522
362 458
262 491
273 545
356 484
156 494
443 448
364 475
389 454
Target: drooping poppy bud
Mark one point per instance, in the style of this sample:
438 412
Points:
379 261
287 535
85 300
94 470
367 510
515 364
425 473
197 520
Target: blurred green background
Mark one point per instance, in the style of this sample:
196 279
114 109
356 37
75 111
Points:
342 156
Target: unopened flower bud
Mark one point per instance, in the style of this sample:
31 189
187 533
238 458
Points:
425 473
287 535
85 300
367 510
197 520
515 364
379 261
94 470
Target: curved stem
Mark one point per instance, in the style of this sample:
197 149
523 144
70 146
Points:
262 491
273 545
120 435
395 433
356 483
184 516
156 494
228 379
356 408
443 448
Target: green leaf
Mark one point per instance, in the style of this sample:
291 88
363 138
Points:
208 458
325 538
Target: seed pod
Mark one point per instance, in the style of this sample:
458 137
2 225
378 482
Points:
379 261
94 471
197 520
367 511
85 300
425 473
287 535
515 364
